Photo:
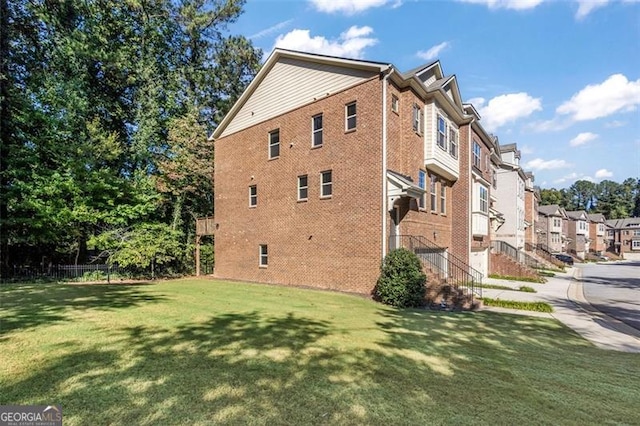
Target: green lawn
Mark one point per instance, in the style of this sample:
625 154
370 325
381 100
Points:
204 352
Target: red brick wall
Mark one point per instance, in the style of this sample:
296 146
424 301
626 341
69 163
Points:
329 243
503 265
406 156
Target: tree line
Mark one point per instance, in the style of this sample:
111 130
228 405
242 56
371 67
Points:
105 108
614 200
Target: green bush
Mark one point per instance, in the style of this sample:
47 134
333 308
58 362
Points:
527 289
402 282
513 304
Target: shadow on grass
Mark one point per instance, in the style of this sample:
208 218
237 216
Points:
27 305
236 368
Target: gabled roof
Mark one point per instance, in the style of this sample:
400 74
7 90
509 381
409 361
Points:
277 55
577 215
551 210
630 222
596 217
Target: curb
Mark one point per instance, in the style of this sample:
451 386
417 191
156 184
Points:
575 294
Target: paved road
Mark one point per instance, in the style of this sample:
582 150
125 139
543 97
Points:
614 289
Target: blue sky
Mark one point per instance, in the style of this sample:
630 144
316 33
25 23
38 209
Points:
559 78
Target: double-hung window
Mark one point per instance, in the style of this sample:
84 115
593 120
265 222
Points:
395 104
484 199
274 144
326 184
263 259
443 198
422 178
253 196
417 114
442 133
453 142
316 132
303 188
477 154
434 206
350 116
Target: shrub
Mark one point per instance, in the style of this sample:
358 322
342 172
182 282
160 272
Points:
513 304
527 289
402 282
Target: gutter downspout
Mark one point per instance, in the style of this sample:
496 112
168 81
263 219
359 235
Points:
471 187
384 213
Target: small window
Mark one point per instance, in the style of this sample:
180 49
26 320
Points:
303 188
434 206
417 114
477 154
453 142
494 175
422 183
395 104
350 112
326 184
443 198
253 196
264 256
484 200
274 144
316 136
442 133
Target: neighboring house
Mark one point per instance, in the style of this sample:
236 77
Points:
597 233
531 205
579 240
510 197
625 237
550 228
472 194
324 164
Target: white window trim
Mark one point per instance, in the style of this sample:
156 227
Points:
443 198
416 120
300 187
453 142
422 202
263 257
314 131
272 144
253 198
395 104
347 117
479 156
323 184
440 134
433 193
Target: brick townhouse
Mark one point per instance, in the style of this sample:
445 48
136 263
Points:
324 164
597 233
473 193
578 233
624 237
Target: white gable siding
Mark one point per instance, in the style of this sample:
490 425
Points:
436 158
290 84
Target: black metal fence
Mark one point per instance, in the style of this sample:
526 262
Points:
517 255
446 266
81 273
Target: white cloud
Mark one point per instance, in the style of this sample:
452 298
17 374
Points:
349 7
271 30
603 173
615 94
433 52
540 164
583 138
505 109
350 44
615 123
585 7
526 150
507 4
570 177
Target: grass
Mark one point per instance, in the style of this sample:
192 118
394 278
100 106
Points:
205 352
524 288
544 273
538 280
512 304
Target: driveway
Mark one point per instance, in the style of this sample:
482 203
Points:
614 289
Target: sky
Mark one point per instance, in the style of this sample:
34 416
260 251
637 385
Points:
561 78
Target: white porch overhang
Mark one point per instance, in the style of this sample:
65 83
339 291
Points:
399 186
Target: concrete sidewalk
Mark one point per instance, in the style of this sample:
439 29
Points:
564 293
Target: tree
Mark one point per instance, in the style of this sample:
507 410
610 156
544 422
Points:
581 195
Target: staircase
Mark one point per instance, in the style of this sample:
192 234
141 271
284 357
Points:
543 252
444 268
519 256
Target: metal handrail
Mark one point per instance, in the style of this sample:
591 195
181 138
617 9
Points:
517 255
446 266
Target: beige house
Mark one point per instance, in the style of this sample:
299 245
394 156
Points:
550 228
578 233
